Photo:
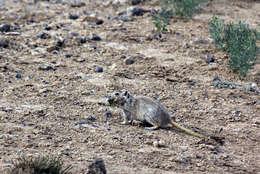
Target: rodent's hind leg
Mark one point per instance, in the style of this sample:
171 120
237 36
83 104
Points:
152 128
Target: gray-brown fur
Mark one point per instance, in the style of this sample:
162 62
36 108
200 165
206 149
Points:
144 109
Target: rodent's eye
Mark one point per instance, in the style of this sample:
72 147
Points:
125 93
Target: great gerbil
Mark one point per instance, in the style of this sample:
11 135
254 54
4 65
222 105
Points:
145 109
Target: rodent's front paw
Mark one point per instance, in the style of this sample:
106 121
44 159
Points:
125 123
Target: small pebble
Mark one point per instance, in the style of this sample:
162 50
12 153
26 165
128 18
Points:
80 60
95 37
4 43
135 2
60 41
182 159
108 114
153 36
134 11
192 83
254 85
46 68
161 143
53 48
59 117
43 35
83 40
81 123
76 3
184 148
99 21
73 16
76 102
5 27
198 40
18 76
91 118
45 132
209 59
47 28
130 60
99 69
156 143
74 34
125 18
97 167
68 55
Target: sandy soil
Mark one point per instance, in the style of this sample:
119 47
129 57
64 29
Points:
49 87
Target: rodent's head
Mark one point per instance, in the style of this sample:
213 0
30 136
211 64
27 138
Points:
118 98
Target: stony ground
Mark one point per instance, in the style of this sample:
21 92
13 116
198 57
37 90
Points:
58 60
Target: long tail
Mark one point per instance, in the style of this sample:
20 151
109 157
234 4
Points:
188 131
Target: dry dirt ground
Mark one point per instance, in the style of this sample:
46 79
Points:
51 94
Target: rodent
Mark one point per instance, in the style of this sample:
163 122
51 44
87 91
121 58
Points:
145 109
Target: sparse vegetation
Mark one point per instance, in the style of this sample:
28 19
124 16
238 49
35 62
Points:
182 8
238 40
38 165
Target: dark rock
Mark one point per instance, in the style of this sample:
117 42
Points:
192 83
135 2
31 20
93 47
216 78
99 21
182 159
153 11
130 60
77 4
4 43
45 132
59 117
18 76
153 36
97 167
46 68
91 118
76 102
108 114
74 34
48 28
81 122
60 41
96 37
53 48
198 40
99 69
43 35
125 18
68 55
209 59
55 52
198 156
5 27
134 11
83 40
73 16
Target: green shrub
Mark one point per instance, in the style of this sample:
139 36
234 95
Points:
162 20
38 165
182 8
238 40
